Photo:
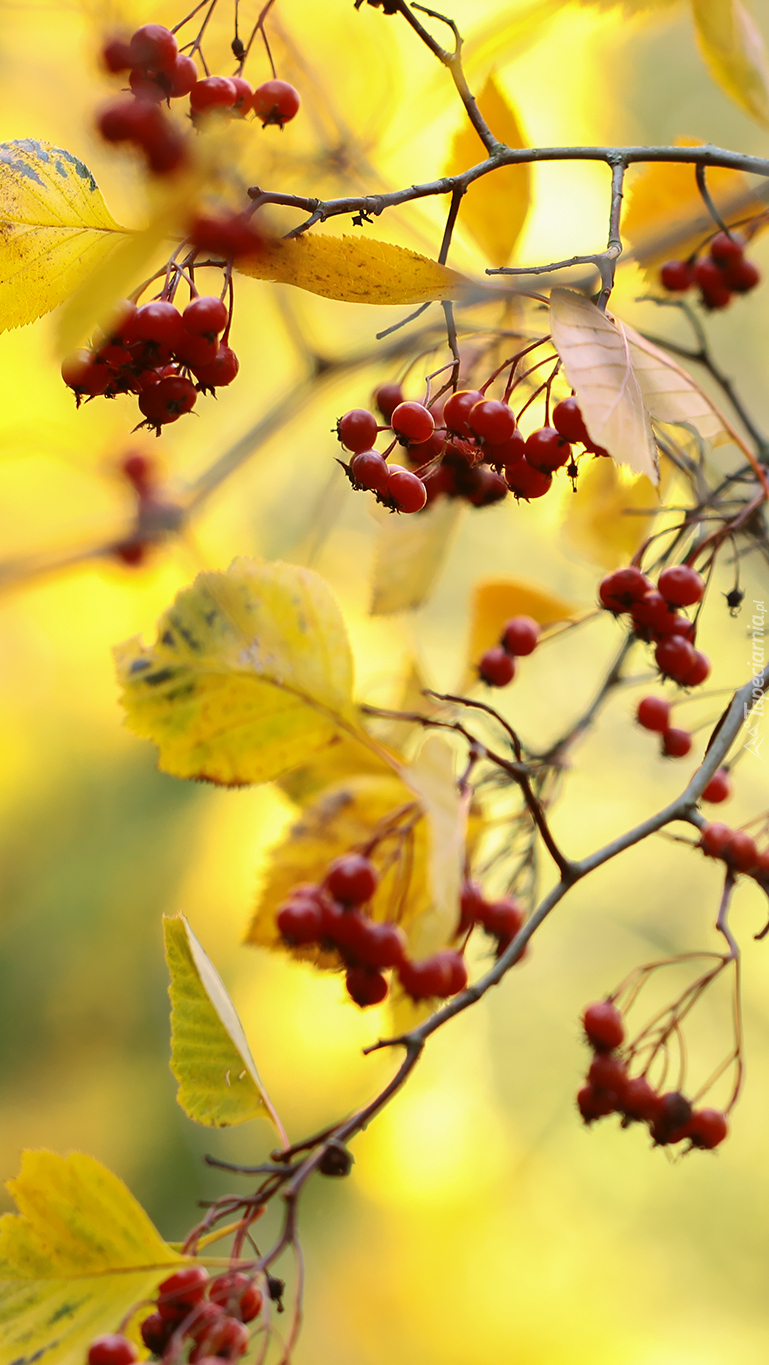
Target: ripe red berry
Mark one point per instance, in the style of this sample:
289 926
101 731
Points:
370 470
637 1099
569 422
708 275
595 1104
719 787
205 316
491 421
618 591
520 635
726 247
502 918
276 102
352 879
426 979
357 430
387 398
740 851
526 482
221 371
412 421
365 986
140 471
406 490
697 672
676 743
676 276
116 55
245 96
497 667
546 450
607 1072
167 401
653 613
707 1128
159 322
653 713
604 1028
506 453
457 970
381 945
673 1113
132 553
237 1295
182 76
232 236
681 585
457 408
83 373
674 656
716 297
741 276
112 1349
128 120
156 1333
486 487
300 921
153 46
212 92
182 1291
196 352
471 906
714 838
224 1337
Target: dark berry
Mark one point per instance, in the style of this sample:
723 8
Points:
509 452
112 1349
653 613
276 102
155 47
196 352
381 945
502 918
300 921
357 430
653 713
638 1100
546 450
726 247
387 398
487 487
681 585
370 470
233 236
497 667
673 1112
676 743
741 276
116 55
224 1337
607 1072
352 879
245 96
365 986
520 635
406 490
160 322
595 1104
604 1028
708 275
128 120
676 276
471 906
156 1333
719 787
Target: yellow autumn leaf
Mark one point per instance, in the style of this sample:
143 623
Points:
495 600
494 209
670 393
344 757
55 229
603 518
735 54
250 674
355 270
410 553
219 1084
665 216
74 1260
432 778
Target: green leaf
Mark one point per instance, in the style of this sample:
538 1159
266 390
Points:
75 1259
55 229
218 1081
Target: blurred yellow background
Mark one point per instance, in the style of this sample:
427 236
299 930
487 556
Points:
481 1221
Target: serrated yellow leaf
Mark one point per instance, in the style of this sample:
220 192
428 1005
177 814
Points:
355 270
410 553
55 229
495 600
78 1255
602 518
251 673
735 54
344 757
494 209
219 1084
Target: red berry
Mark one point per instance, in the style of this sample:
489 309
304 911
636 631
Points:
406 490
714 838
698 672
245 96
491 421
237 1295
653 613
276 102
487 487
365 987
546 449
147 85
457 970
569 422
357 430
233 236
708 275
352 879
653 713
719 787
506 453
604 1028
419 453
673 1112
676 743
300 921
221 371
381 945
527 482
155 47
715 298
457 410
387 398
426 979
182 76
140 471
370 470
497 667
502 918
112 1349
681 585
182 1291
674 656
212 92
707 1128
224 1337
131 552
128 120
167 401
741 276
413 421
726 247
618 591
638 1100
205 316
156 1333
740 851
520 635
83 373
159 322
471 906
116 55
196 352
676 276
607 1072
594 1104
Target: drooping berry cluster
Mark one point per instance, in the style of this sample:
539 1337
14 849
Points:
720 273
519 637
501 919
164 356
610 1089
653 713
332 916
470 448
737 849
655 617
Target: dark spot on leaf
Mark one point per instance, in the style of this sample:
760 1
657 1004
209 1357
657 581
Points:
139 665
162 675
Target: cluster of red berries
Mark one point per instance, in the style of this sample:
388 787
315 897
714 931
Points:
209 1314
724 271
519 637
164 356
653 713
610 1090
737 849
501 919
655 617
331 915
160 72
470 447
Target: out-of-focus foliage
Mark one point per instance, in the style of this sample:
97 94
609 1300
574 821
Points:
495 208
496 600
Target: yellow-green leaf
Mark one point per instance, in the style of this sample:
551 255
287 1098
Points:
218 1081
495 600
55 229
355 270
78 1255
251 673
494 209
603 518
410 553
735 54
